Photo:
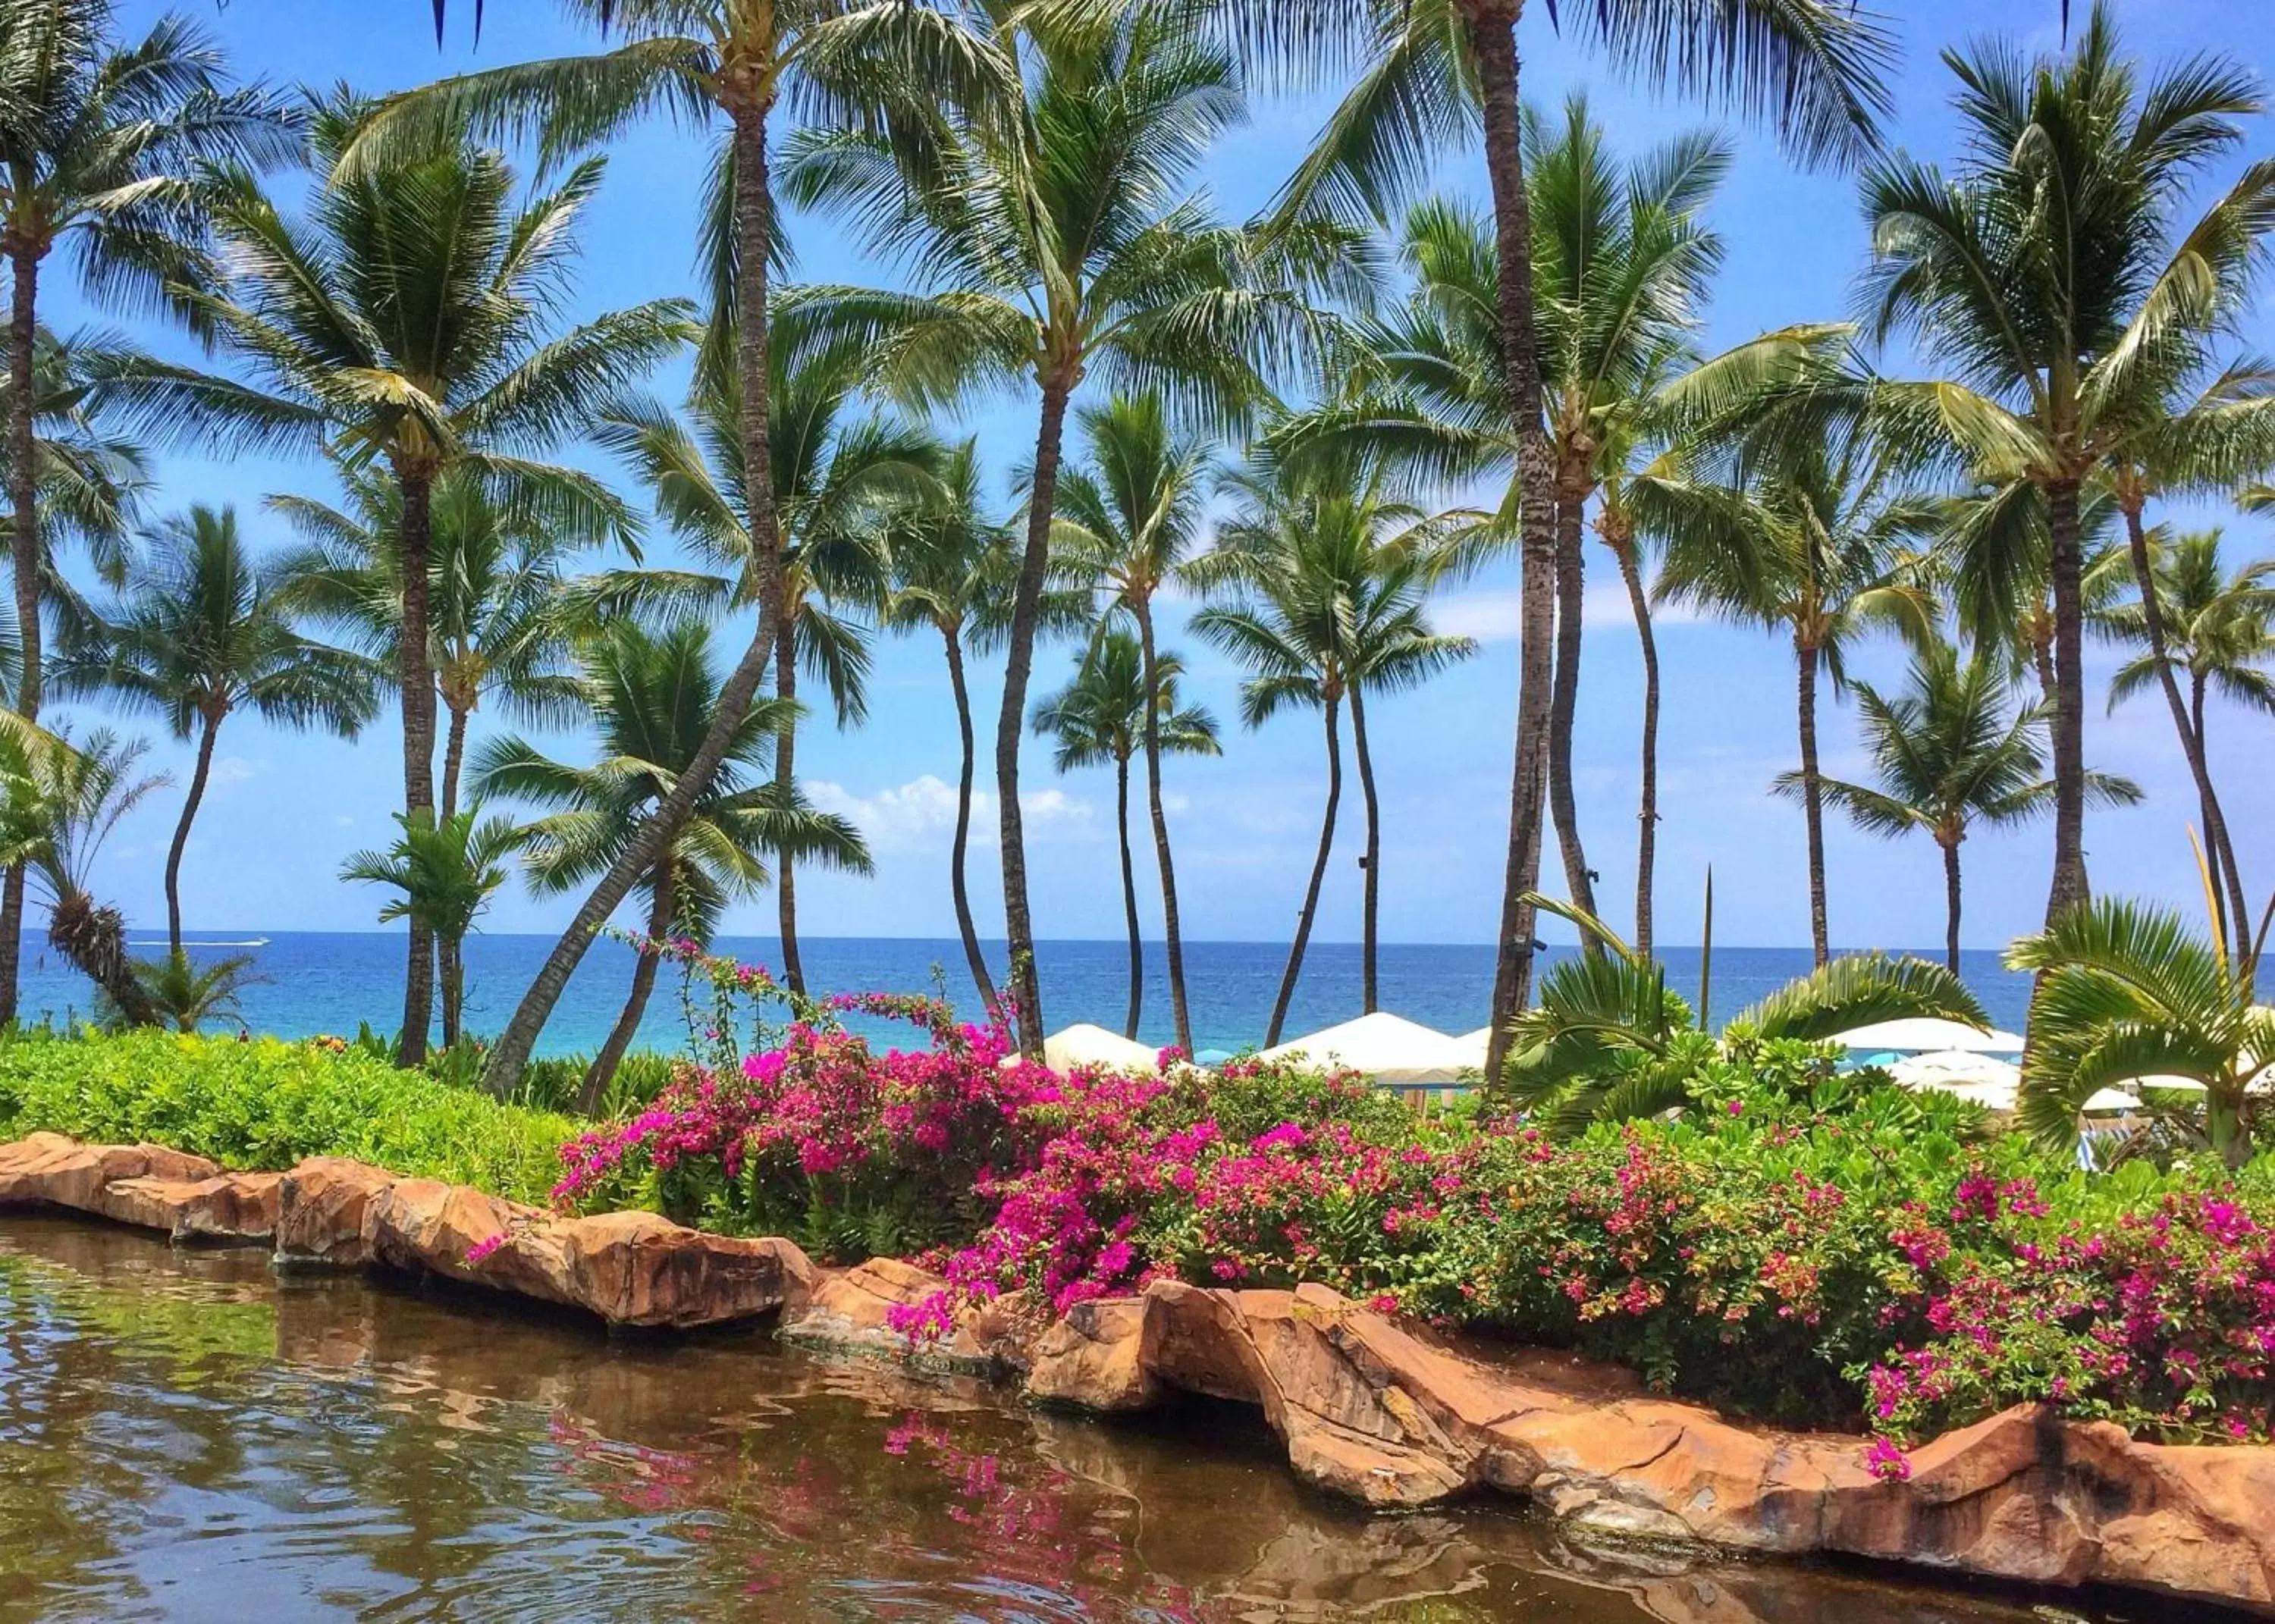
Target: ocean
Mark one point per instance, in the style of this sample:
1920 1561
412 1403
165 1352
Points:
328 983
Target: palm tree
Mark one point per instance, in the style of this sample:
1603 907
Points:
834 474
1127 519
2047 278
1124 698
1950 753
447 871
1434 74
1812 543
1066 252
652 695
102 145
2217 630
1328 608
60 802
201 634
188 995
695 60
2127 992
499 621
406 322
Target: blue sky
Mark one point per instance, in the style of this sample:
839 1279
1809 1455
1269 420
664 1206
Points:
285 810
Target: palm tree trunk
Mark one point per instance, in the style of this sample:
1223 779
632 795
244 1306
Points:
2069 888
1564 704
602 1072
24 553
1010 723
785 784
1129 897
197 776
1171 929
1318 878
967 765
1647 813
2221 856
1368 987
418 680
753 209
450 953
1812 794
1950 906
2215 825
454 757
93 937
1493 42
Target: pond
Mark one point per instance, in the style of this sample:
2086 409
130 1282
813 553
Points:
185 1436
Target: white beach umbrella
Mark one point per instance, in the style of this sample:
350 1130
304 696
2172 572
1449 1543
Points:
1084 1045
1987 1082
1922 1034
1472 1046
2110 1100
1386 1047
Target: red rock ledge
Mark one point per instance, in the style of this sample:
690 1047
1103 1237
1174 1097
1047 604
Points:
1370 1408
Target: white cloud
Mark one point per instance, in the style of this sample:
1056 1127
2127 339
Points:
921 814
1494 615
229 770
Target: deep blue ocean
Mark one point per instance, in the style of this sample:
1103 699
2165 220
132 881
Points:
330 982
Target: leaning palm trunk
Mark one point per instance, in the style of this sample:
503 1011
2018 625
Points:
785 749
1172 931
1812 796
93 937
1951 904
1368 992
2220 854
2070 888
198 777
1318 877
602 1072
753 208
1493 42
1647 809
1564 707
1129 897
418 681
23 551
453 760
957 848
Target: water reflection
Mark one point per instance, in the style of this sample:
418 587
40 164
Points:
182 1436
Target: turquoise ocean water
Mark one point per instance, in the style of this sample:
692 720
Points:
328 983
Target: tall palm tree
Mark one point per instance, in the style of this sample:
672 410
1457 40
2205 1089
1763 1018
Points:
200 633
447 870
834 474
652 696
1065 250
1950 753
1329 579
407 321
104 146
700 62
1813 542
1127 519
2048 278
59 802
1433 73
1124 698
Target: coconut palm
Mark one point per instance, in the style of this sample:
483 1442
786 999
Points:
59 802
2049 280
1951 753
1124 698
200 634
1127 519
447 870
1329 579
651 695
1813 542
1064 249
835 473
700 62
407 321
2126 992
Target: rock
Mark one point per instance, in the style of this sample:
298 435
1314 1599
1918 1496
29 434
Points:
849 1310
52 1169
425 1224
321 1207
1095 1358
641 1269
231 1207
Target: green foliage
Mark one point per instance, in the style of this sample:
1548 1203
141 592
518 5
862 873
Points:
188 995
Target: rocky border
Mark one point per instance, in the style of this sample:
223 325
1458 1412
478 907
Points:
1377 1409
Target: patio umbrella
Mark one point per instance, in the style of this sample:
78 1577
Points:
1995 1084
1385 1048
1922 1034
1094 1046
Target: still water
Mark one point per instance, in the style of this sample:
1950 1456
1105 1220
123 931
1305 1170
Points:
184 1437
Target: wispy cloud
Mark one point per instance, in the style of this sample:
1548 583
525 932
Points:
921 814
1494 615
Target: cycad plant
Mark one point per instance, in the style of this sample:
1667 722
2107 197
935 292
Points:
1951 753
1121 701
200 634
652 696
447 870
188 992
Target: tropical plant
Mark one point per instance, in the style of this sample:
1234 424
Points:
447 871
2129 994
106 146
62 800
187 994
693 60
2048 279
200 634
652 695
1328 579
834 473
1124 698
1950 752
407 321
1610 1041
1064 252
